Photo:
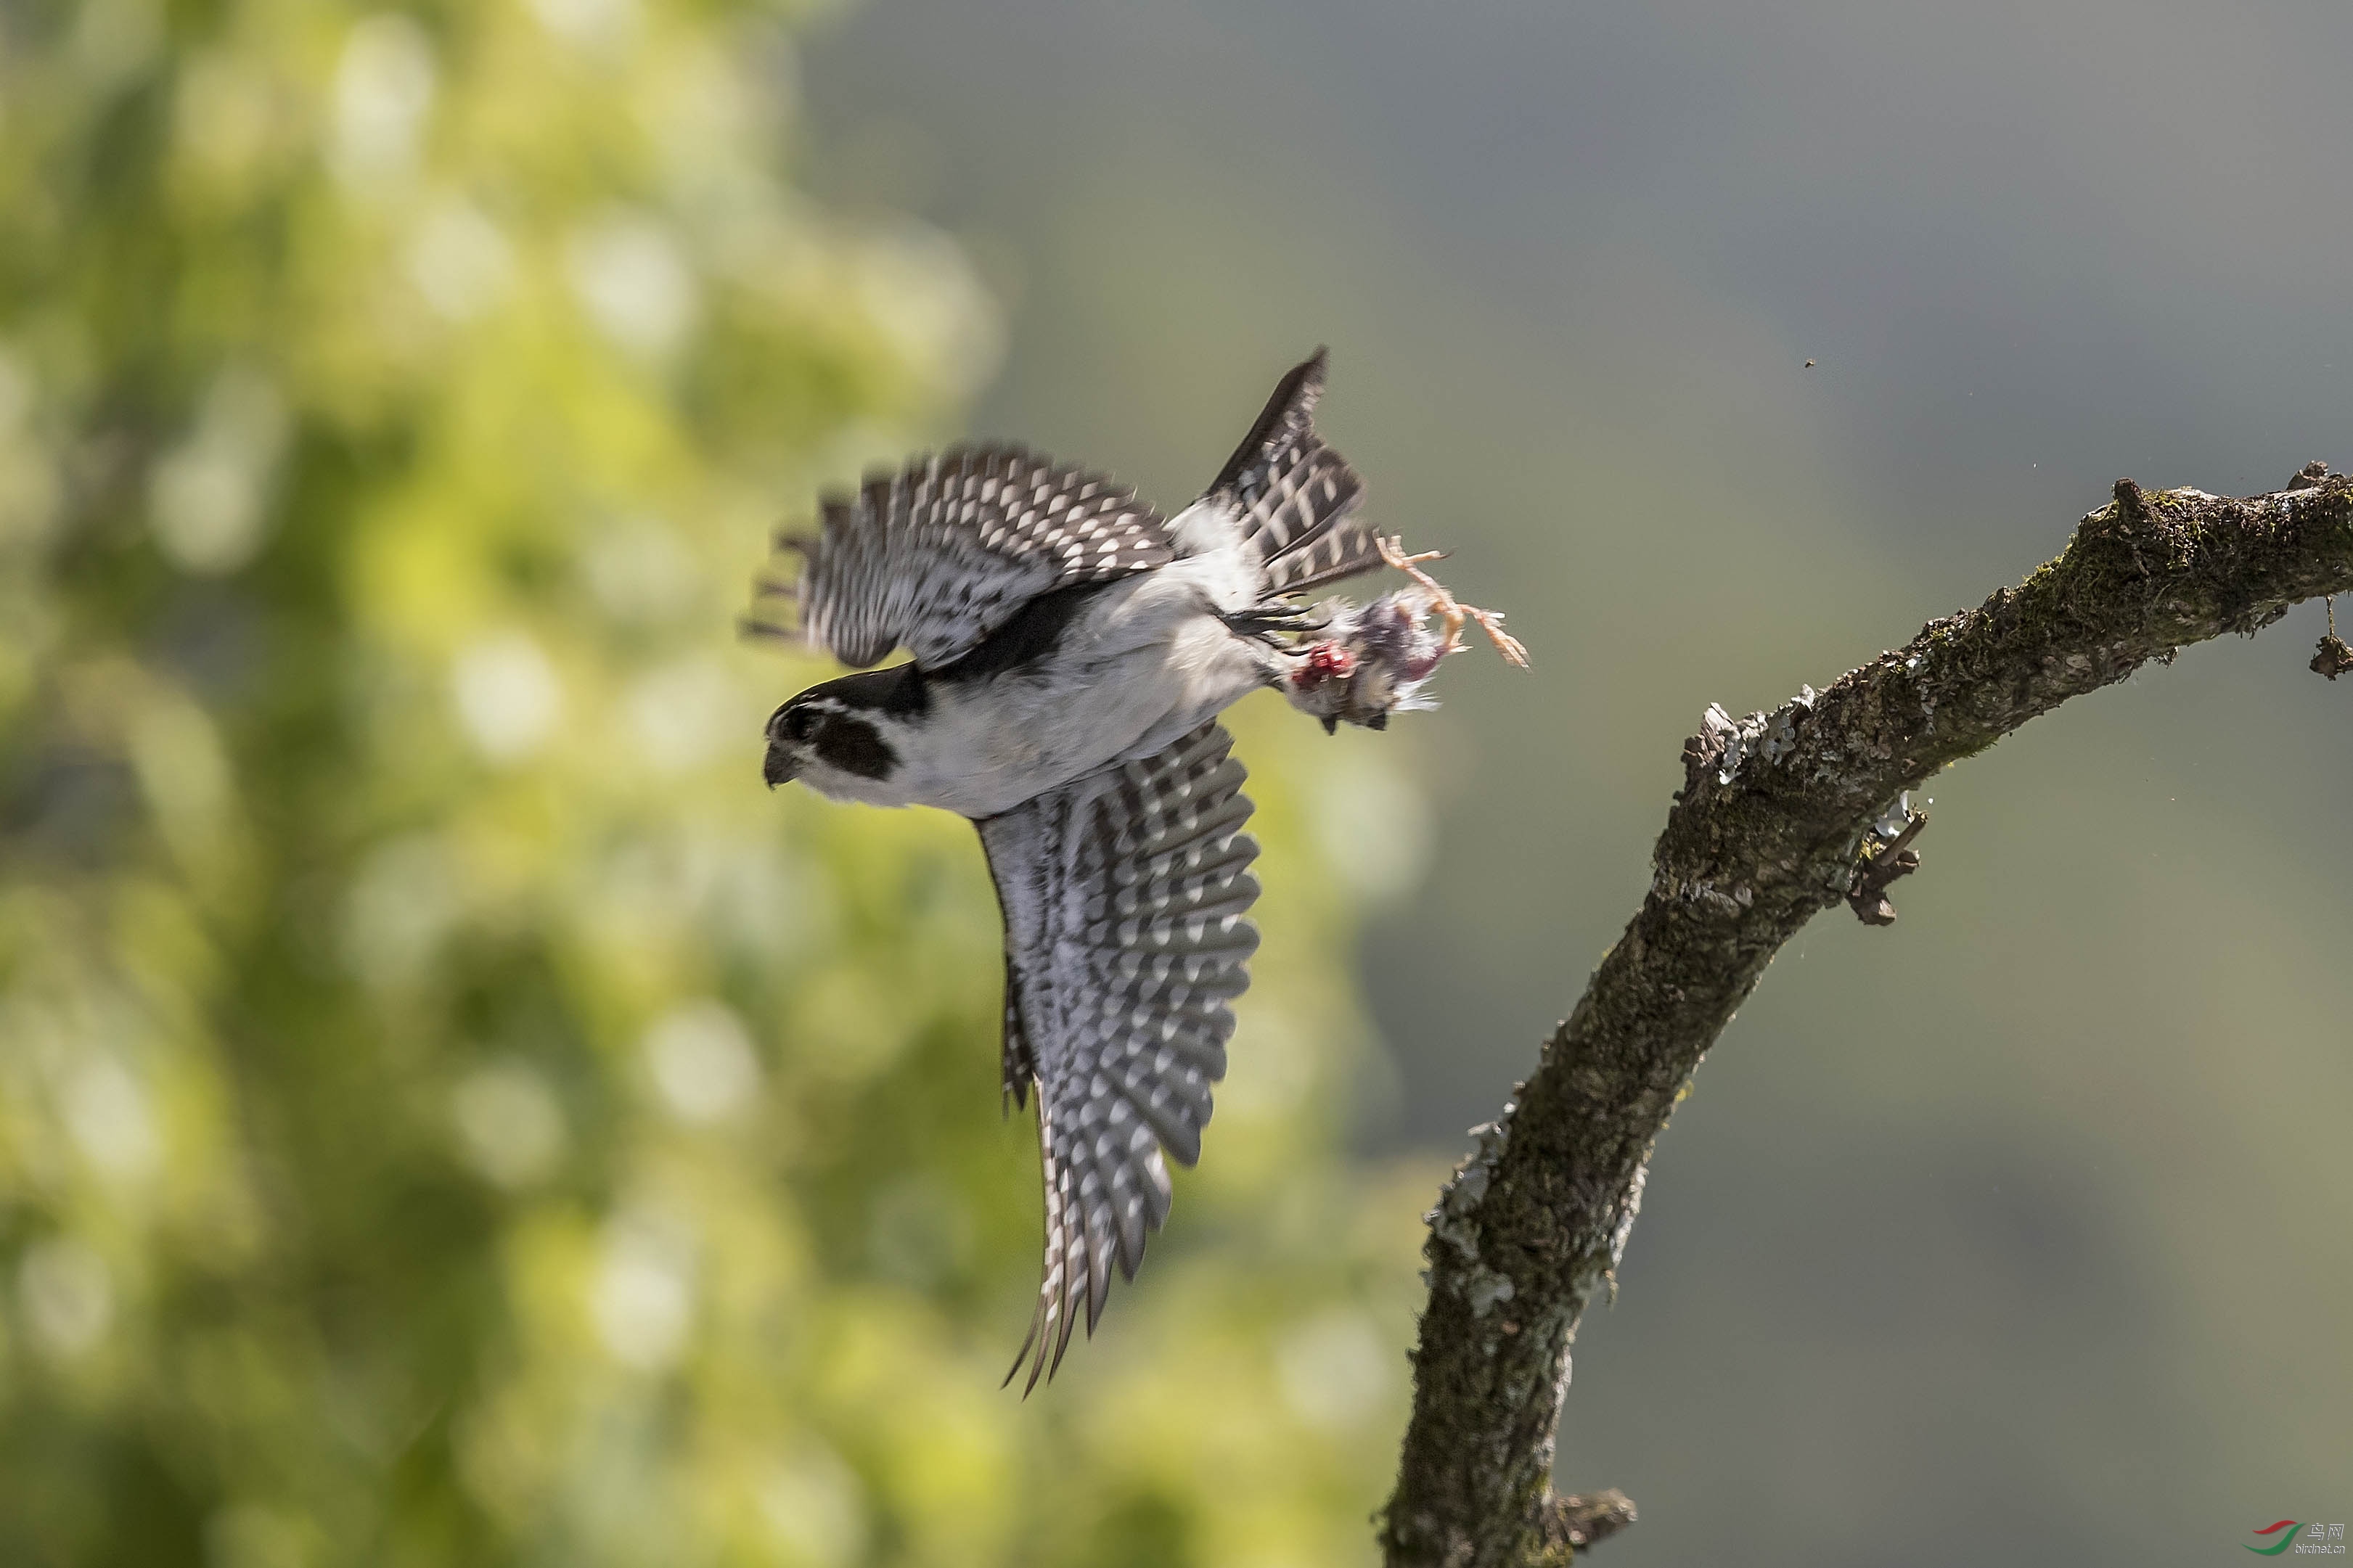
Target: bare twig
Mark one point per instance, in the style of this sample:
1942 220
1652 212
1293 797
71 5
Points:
1768 832
1868 895
2332 657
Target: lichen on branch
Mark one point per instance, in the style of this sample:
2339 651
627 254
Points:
1782 816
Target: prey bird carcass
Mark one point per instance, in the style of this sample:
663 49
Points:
1071 651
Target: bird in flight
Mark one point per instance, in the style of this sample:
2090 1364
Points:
1071 650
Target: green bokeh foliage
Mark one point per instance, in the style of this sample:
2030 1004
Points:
449 1112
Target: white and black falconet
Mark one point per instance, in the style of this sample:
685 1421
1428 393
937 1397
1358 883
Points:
1071 650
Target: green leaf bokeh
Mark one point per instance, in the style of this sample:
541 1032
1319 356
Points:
449 1112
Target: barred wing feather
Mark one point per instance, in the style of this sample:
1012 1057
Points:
942 553
1125 899
1294 497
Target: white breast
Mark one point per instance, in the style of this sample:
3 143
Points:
1147 663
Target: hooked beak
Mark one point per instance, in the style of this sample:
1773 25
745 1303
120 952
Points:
777 767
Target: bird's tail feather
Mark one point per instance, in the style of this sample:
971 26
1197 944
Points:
1343 547
1294 497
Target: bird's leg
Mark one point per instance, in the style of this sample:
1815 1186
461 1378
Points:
1449 610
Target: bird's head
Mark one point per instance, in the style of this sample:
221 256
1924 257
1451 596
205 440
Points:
839 737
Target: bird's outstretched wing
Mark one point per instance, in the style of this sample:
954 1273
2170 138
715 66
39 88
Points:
942 553
1126 896
1296 498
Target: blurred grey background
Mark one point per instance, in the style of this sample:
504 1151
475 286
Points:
2023 1230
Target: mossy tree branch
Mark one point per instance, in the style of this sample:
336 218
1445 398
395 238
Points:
1784 815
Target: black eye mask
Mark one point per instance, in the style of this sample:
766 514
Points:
853 745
